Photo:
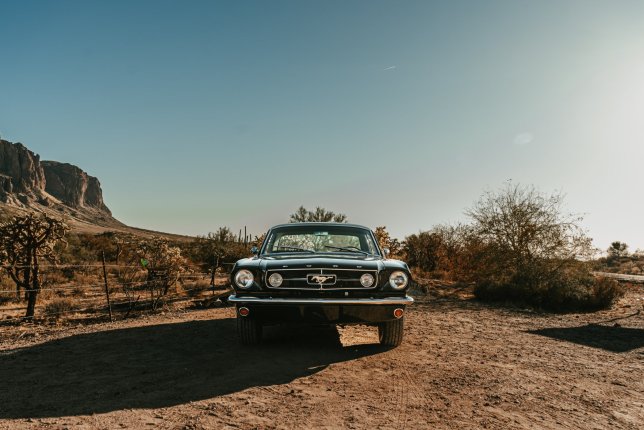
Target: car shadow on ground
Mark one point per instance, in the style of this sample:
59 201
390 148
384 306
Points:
610 338
158 366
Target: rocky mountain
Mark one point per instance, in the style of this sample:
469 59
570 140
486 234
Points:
21 174
27 183
73 187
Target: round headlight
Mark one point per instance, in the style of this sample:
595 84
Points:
244 278
398 280
366 280
275 280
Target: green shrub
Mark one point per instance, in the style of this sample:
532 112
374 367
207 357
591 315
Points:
570 289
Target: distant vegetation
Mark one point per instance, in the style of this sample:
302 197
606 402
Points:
318 215
517 247
619 260
221 249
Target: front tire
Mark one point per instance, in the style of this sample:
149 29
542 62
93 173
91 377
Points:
249 331
391 332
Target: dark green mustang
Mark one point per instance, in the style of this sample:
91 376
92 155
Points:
321 273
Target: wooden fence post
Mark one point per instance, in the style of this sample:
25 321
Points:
107 290
215 261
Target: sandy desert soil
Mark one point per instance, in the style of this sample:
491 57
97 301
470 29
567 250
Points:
462 365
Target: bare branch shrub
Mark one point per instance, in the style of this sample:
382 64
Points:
530 251
24 242
164 263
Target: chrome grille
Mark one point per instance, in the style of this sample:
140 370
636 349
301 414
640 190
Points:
299 279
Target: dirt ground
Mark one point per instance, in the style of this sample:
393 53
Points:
462 365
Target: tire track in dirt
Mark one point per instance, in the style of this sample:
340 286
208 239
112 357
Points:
401 419
461 365
413 388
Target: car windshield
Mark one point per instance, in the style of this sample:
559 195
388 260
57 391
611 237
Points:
320 239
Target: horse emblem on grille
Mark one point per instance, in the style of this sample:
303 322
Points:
321 279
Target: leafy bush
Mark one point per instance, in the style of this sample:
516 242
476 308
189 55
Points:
422 250
387 242
572 289
606 291
445 252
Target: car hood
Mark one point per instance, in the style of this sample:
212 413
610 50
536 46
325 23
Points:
318 261
321 262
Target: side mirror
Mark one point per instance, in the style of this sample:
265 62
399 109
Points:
386 251
254 250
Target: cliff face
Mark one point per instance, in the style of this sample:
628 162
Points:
26 181
21 172
72 186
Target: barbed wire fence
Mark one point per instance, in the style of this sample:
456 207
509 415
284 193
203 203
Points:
100 290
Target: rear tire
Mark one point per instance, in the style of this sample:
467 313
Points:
249 331
391 332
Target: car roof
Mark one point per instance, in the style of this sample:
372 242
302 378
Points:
320 224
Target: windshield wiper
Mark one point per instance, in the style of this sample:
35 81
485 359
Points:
294 248
348 249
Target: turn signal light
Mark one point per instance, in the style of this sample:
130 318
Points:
398 313
244 312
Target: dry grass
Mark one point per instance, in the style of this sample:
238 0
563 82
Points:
194 288
57 307
8 290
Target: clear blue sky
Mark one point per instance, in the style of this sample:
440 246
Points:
196 115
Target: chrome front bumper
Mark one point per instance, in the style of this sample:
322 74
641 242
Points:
315 301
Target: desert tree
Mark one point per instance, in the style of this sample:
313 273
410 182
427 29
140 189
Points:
532 251
318 215
26 241
222 235
521 226
219 249
386 241
617 250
